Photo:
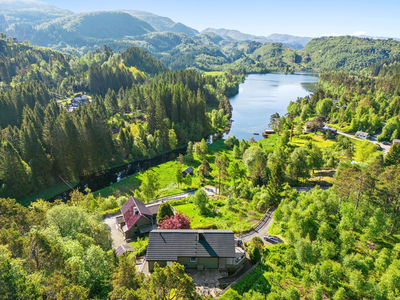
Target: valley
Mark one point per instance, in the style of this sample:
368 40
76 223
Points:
145 157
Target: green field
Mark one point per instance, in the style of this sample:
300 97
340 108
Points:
221 218
48 193
166 173
317 139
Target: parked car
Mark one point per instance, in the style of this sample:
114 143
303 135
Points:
386 143
272 239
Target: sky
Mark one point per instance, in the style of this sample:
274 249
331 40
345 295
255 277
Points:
309 18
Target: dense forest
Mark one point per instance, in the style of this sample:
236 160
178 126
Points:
60 251
366 101
41 141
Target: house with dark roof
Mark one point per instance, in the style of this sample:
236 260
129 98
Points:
362 135
115 132
188 170
195 249
137 218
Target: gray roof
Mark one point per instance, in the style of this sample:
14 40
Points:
188 170
396 141
168 245
153 208
361 133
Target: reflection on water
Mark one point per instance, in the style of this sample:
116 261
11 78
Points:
262 95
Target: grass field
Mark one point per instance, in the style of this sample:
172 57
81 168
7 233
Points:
47 193
214 73
221 218
317 139
166 172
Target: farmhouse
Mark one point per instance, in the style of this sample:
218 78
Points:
362 135
195 249
137 218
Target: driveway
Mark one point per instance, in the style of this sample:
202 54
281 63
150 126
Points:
261 229
111 221
117 236
373 140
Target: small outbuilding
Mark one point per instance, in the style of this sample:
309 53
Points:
115 132
124 248
188 170
396 141
362 135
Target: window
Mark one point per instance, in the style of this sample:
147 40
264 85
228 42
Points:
169 263
193 259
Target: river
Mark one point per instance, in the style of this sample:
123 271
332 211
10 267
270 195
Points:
260 96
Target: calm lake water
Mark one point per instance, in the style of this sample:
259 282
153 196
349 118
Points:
262 95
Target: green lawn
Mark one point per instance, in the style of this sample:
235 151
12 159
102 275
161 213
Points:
166 172
222 218
214 73
317 139
47 193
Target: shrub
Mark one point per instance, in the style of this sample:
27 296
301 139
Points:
255 255
121 200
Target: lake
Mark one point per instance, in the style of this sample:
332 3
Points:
262 95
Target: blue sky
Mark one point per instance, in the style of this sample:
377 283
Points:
263 17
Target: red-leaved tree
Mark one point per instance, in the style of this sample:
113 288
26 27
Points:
178 221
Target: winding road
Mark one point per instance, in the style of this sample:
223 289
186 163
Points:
373 140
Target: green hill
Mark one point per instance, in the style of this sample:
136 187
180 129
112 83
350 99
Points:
349 53
98 25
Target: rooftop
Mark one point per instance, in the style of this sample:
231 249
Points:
168 245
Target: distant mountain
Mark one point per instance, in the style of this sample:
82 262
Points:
78 28
29 11
162 23
291 41
236 35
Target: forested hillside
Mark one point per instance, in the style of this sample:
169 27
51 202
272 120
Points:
180 47
348 52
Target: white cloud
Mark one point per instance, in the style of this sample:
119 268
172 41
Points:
359 33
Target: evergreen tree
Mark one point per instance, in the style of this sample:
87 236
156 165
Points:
393 156
164 210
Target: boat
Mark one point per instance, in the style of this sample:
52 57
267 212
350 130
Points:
256 133
268 131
